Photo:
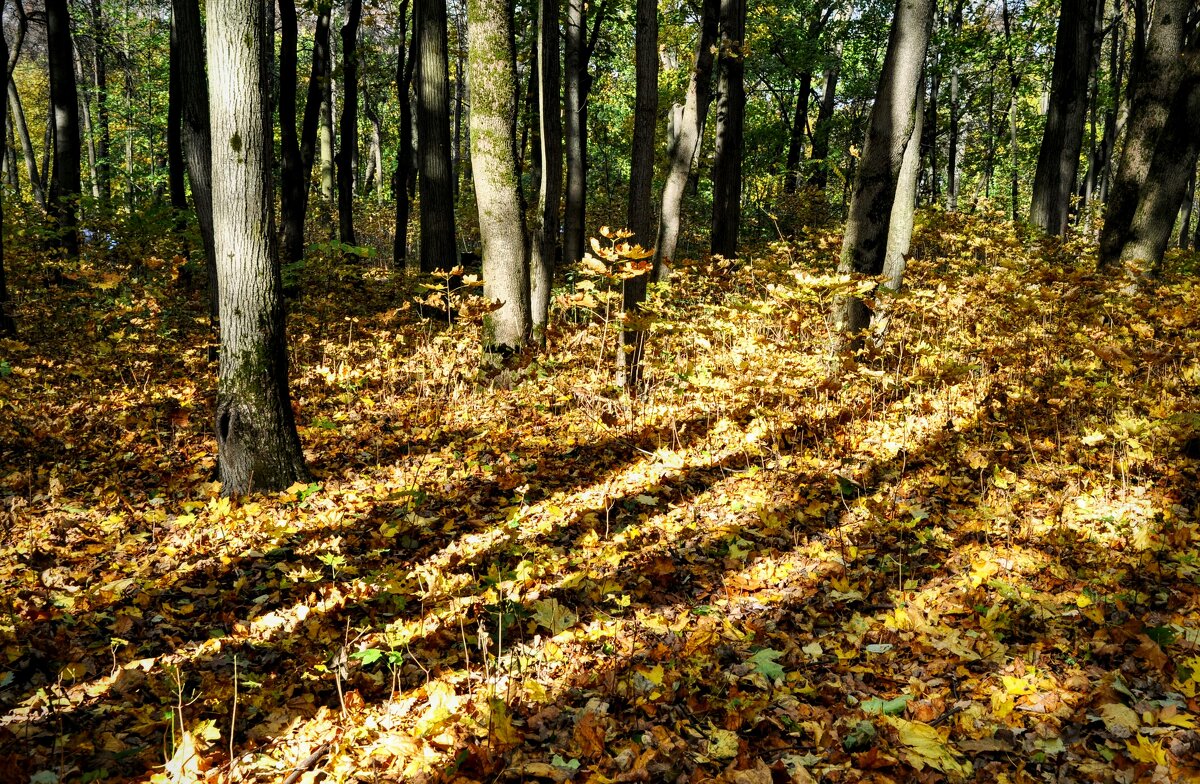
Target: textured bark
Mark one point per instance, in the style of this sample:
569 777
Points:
819 153
1171 167
575 132
258 448
641 181
1058 157
8 326
904 203
64 98
730 135
438 248
1185 213
791 179
326 135
348 127
176 184
197 144
544 233
491 66
403 177
889 129
687 142
1152 87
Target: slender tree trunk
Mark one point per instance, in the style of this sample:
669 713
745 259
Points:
31 166
404 151
1014 83
326 135
8 325
438 248
1185 213
348 130
904 204
85 114
819 154
175 166
258 447
929 145
292 202
544 234
100 78
731 116
461 86
197 139
690 127
492 70
11 176
889 128
791 179
1058 159
952 152
64 97
576 141
1152 88
641 181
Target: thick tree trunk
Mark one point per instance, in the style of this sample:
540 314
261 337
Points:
438 248
791 177
64 98
1152 89
492 70
348 128
544 234
1058 158
731 117
687 142
403 177
641 181
258 448
197 141
1171 167
889 129
819 154
904 204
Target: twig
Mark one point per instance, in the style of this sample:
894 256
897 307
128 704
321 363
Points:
308 764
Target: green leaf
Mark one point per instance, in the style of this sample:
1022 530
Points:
764 663
368 656
876 706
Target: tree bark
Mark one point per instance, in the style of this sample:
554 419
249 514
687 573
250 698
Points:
176 185
27 151
576 139
1014 83
1185 213
438 248
348 127
641 181
687 142
791 179
889 129
730 132
8 325
291 184
326 135
904 204
544 233
64 97
819 154
197 141
491 65
403 177
1152 88
952 148
100 78
1058 158
258 447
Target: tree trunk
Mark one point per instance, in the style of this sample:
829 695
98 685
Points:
8 325
177 187
460 100
403 176
326 134
197 140
1014 84
438 248
952 151
295 216
544 234
291 184
348 128
929 144
904 204
1185 213
576 140
687 141
819 155
731 116
491 66
791 178
1058 158
258 447
889 128
1171 168
641 181
100 78
12 177
31 166
85 116
65 190
1152 89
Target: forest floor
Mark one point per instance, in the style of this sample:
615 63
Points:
968 554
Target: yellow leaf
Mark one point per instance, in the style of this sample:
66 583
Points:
1016 686
722 744
1121 720
1146 750
926 746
